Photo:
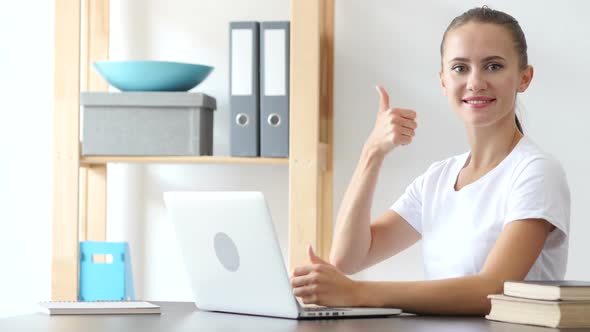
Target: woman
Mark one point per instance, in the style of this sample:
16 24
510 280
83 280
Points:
498 212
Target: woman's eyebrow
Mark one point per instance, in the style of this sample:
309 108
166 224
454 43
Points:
486 59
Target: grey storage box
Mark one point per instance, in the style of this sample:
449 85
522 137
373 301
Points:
147 123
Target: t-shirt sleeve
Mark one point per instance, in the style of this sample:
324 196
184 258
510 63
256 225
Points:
540 191
409 205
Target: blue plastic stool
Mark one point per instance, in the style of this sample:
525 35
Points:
108 281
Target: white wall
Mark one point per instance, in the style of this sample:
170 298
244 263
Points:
393 43
26 80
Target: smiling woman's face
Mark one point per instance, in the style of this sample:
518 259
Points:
481 74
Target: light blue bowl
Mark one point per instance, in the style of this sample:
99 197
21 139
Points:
152 75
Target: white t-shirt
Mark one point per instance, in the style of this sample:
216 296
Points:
459 228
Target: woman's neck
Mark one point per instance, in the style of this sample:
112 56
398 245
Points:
490 145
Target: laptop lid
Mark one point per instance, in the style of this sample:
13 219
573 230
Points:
230 250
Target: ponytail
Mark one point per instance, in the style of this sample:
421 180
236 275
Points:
518 125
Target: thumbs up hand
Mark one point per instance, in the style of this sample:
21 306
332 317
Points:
321 283
313 258
393 127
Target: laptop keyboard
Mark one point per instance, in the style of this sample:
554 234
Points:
323 309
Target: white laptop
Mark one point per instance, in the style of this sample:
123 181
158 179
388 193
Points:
234 260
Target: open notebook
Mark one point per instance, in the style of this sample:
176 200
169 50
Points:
99 308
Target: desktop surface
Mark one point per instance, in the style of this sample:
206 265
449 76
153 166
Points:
184 316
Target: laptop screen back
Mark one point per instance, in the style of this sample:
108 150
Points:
231 253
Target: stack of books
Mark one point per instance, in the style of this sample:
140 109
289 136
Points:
558 304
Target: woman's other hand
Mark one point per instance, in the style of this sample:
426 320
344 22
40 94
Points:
323 284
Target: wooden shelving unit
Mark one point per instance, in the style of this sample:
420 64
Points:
79 183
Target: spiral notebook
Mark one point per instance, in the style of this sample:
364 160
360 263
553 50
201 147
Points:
99 308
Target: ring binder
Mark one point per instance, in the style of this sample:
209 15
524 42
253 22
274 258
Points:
274 89
244 90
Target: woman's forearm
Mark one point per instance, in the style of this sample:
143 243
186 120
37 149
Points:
352 233
456 296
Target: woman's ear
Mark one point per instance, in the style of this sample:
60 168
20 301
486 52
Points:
526 78
442 82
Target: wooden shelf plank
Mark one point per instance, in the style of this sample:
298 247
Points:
93 160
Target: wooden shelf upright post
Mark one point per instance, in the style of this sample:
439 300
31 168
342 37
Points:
93 178
66 151
310 152
79 193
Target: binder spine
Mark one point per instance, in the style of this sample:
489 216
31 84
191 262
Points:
244 89
274 88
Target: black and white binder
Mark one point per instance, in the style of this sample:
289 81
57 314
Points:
244 89
274 89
